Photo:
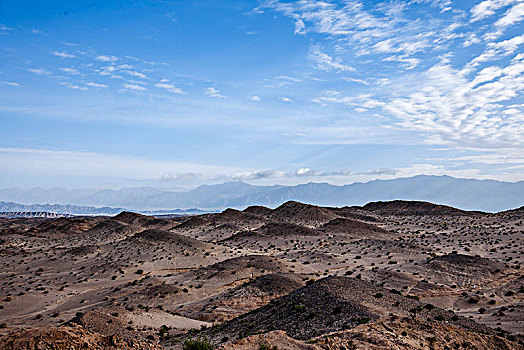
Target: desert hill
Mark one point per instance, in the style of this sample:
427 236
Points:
333 304
247 277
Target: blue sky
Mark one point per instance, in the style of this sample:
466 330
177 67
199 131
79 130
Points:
180 93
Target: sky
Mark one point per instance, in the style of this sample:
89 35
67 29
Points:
175 94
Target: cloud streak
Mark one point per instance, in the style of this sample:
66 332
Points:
170 87
135 87
325 62
106 58
212 92
63 54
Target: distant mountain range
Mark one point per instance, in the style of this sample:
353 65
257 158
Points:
44 210
467 194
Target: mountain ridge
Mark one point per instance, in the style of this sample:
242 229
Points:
466 194
68 209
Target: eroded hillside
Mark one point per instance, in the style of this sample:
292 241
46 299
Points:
386 275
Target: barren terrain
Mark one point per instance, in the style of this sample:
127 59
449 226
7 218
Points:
388 275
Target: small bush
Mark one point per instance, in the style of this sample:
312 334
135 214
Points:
363 320
267 347
164 332
429 306
311 315
200 344
299 307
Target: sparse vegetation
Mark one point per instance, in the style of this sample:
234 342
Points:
197 344
397 261
267 347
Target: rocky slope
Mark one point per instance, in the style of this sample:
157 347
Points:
358 275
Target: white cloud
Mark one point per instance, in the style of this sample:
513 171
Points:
362 101
308 172
383 81
96 85
500 49
168 177
287 77
43 162
382 171
63 54
285 99
454 110
170 87
105 58
111 72
408 63
73 86
9 83
305 172
342 172
110 69
355 80
69 70
512 16
255 175
39 71
344 176
136 74
255 98
509 156
5 29
282 80
327 63
299 26
488 7
373 29
134 87
471 39
212 92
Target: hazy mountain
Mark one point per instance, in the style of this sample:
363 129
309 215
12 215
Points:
10 207
209 196
127 197
486 195
139 198
468 194
41 195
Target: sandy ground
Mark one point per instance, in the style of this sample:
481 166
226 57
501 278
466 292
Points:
186 273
